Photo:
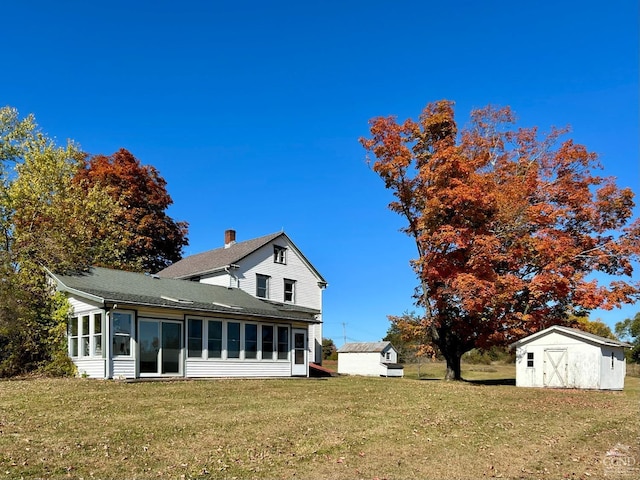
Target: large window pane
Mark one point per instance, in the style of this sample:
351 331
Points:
267 342
233 340
195 338
283 343
214 340
122 329
250 340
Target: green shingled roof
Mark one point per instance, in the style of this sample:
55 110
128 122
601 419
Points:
117 286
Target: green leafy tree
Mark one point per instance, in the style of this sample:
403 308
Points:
629 330
46 220
329 351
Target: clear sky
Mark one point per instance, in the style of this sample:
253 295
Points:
252 110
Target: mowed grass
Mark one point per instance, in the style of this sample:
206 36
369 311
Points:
336 428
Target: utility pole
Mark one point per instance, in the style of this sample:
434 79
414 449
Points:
344 332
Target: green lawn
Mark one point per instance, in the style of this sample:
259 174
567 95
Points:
338 428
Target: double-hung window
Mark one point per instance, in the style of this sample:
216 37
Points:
283 343
73 337
262 286
289 290
97 335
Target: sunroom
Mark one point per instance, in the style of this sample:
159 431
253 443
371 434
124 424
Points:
129 325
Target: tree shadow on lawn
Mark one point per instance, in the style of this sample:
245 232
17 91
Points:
492 381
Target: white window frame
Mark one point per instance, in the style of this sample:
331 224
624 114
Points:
202 336
292 283
280 254
132 333
86 339
243 353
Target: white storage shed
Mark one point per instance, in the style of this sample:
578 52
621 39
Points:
378 359
563 357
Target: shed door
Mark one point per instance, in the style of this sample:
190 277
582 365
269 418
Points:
555 368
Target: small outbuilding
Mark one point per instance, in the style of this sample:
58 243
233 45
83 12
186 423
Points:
564 357
377 359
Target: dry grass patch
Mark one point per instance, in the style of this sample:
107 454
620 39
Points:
345 427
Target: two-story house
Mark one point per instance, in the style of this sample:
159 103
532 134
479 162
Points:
248 309
271 268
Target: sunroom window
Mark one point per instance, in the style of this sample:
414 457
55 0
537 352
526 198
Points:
122 331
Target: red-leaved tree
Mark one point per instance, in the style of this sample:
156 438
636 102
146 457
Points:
148 239
508 225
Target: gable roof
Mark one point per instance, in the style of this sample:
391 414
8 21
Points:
575 333
364 347
219 258
107 286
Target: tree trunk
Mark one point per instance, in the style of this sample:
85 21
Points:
453 367
452 348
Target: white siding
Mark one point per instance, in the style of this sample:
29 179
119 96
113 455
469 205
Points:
361 363
612 373
587 365
91 368
307 291
226 368
124 368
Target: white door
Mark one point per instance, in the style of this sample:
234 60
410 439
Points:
299 366
555 368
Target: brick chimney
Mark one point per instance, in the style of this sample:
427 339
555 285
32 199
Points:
229 238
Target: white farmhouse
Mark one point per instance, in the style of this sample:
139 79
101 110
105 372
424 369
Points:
563 357
379 359
271 268
249 309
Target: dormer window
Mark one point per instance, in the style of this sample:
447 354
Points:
279 254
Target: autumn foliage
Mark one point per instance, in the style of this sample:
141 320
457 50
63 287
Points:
151 240
509 225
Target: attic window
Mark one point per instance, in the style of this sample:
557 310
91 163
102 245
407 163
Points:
279 254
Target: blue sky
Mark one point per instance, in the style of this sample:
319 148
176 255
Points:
252 110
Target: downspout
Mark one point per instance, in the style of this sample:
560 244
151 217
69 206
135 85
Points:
228 269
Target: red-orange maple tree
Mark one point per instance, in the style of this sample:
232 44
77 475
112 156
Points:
508 224
149 239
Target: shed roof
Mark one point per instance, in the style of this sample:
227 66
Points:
219 258
364 347
572 332
106 285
